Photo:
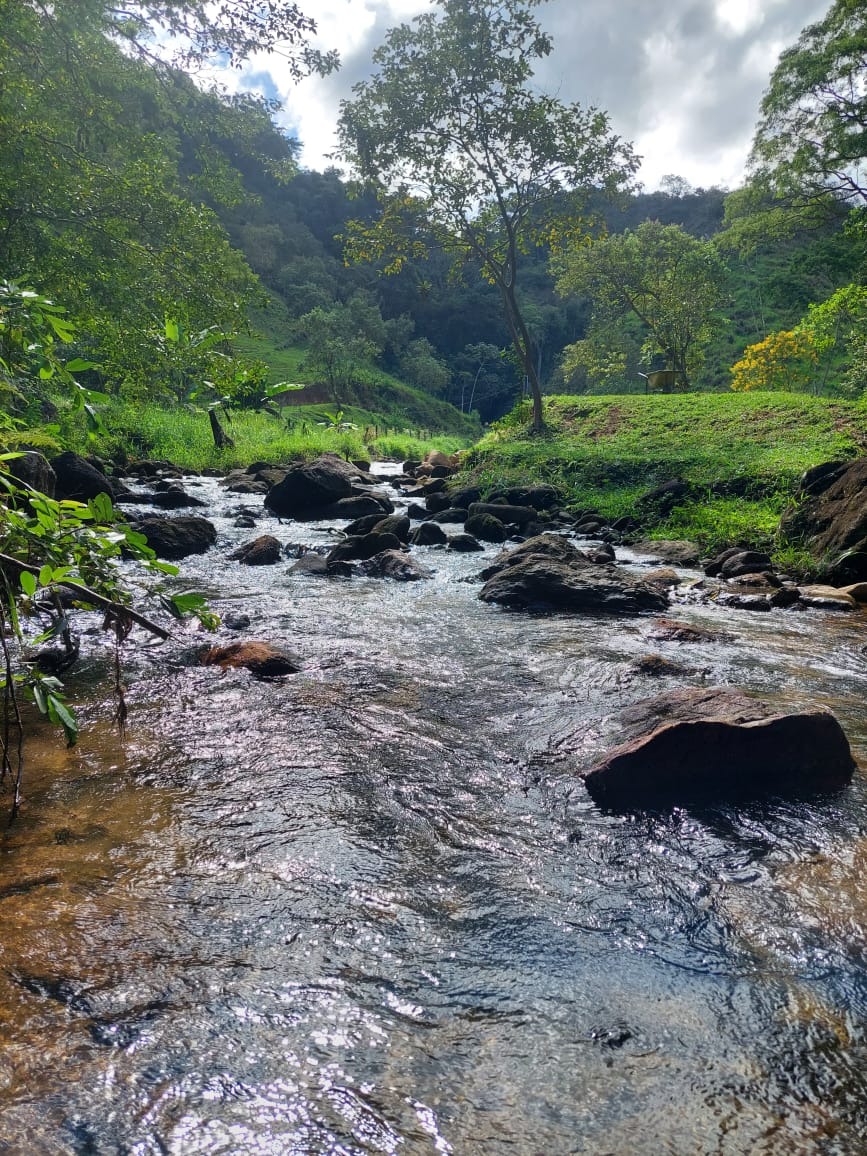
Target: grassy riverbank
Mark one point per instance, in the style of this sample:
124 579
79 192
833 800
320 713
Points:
183 436
742 455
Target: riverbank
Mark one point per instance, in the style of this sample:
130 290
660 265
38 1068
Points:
182 435
739 455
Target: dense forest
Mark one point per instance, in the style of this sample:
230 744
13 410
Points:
177 231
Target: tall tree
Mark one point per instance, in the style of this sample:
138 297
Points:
672 282
467 153
812 136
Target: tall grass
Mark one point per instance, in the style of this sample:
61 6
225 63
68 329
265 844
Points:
183 436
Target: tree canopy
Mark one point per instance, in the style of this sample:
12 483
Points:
671 282
812 136
465 152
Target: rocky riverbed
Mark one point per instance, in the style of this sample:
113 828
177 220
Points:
369 904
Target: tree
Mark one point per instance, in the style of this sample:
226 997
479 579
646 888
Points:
672 282
831 335
336 345
189 33
422 368
784 360
812 136
465 153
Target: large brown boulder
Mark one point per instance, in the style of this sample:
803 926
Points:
547 573
832 519
716 744
174 538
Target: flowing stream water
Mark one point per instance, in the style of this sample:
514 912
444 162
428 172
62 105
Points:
369 908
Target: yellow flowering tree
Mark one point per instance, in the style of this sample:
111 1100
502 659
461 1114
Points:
784 360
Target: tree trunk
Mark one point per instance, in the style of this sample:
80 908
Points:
221 438
524 349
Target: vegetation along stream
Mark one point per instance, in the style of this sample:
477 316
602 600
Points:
370 908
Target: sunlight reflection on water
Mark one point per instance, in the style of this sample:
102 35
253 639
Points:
369 908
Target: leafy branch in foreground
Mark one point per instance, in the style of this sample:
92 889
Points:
54 554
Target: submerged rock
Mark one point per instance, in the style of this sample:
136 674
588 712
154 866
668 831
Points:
716 744
674 551
263 659
670 630
547 573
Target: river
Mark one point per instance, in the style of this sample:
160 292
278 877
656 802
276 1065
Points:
369 908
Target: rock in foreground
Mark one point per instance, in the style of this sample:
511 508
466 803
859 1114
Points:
547 573
714 745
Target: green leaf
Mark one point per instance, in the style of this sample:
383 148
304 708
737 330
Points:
173 331
65 330
282 387
46 574
101 508
58 712
188 603
79 365
28 583
95 423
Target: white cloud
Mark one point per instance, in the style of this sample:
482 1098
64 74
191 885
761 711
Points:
681 78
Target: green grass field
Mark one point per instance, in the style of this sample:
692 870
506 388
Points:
742 453
183 436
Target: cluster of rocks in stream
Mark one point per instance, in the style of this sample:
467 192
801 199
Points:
684 746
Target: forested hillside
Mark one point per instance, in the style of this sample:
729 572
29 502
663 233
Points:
162 218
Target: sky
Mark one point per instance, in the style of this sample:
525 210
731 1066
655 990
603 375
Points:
681 79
